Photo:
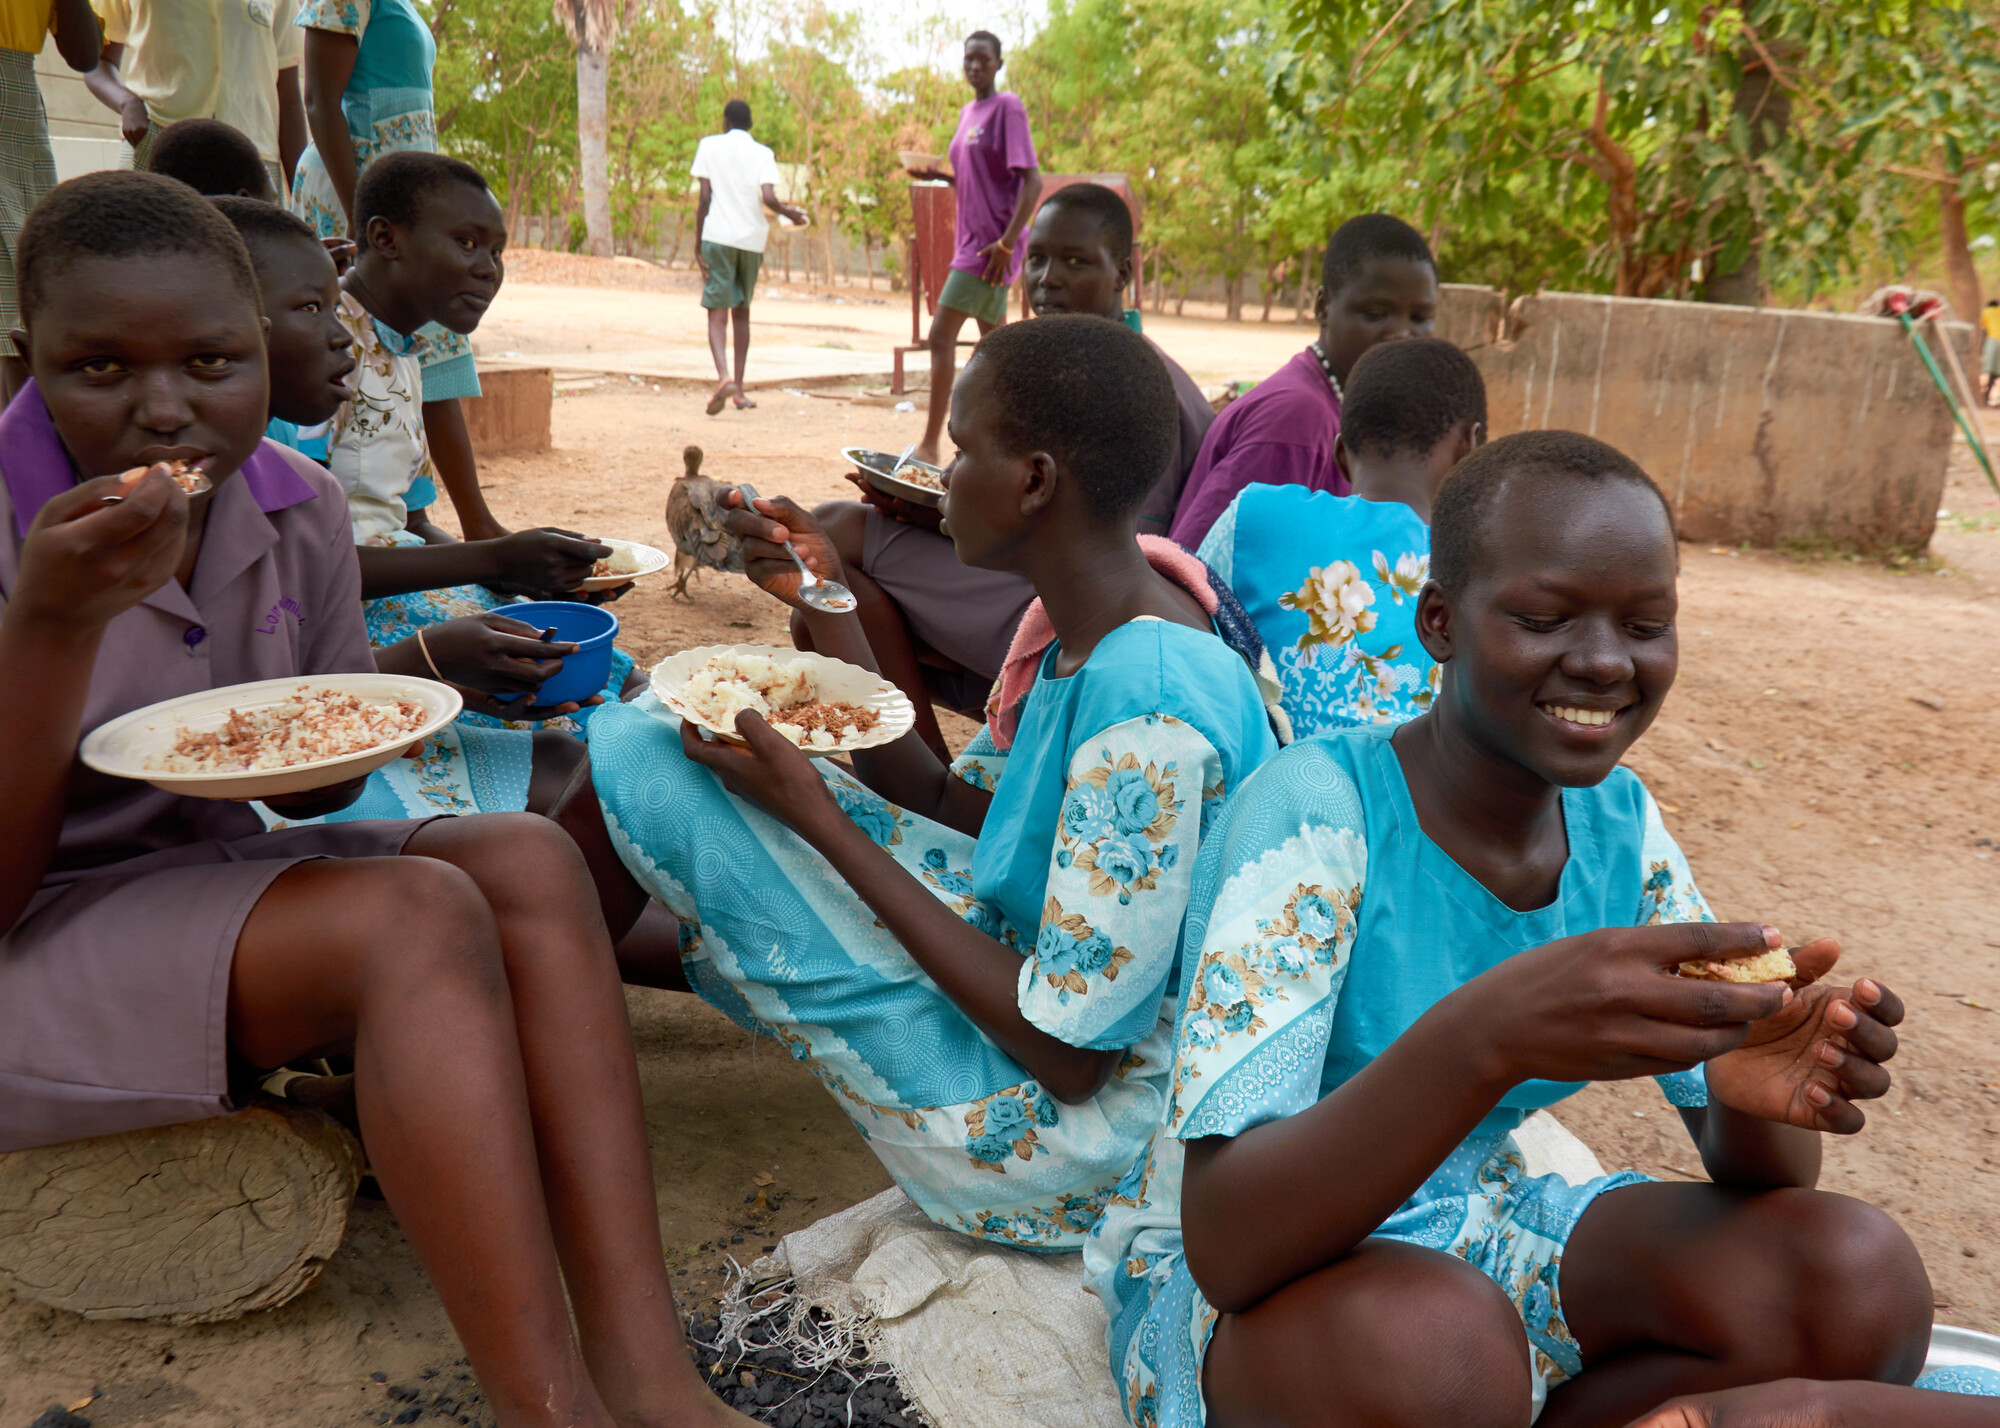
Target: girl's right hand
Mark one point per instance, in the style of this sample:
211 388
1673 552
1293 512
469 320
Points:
84 562
763 529
543 564
1786 1403
1606 1005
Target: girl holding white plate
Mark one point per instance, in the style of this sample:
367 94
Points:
154 941
977 960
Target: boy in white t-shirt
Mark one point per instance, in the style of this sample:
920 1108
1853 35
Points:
739 179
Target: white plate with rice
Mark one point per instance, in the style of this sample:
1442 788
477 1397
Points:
627 562
838 707
287 735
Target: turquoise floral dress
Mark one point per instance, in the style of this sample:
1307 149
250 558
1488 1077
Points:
1322 923
1082 867
1331 583
388 106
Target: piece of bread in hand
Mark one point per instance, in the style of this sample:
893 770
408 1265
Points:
1773 966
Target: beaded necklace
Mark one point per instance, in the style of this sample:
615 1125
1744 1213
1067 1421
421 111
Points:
1326 370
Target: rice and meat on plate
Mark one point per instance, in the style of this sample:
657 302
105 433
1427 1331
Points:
782 691
313 724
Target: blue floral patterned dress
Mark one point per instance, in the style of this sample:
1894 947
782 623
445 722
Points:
1331 583
1082 866
1293 981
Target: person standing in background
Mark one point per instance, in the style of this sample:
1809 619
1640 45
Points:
998 180
233 60
27 165
367 70
739 180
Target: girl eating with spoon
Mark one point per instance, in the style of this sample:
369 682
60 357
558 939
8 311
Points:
975 960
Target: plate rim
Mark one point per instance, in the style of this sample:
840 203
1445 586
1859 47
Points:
607 582
897 701
94 758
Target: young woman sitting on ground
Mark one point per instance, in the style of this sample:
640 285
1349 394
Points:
1331 581
155 944
1405 938
979 973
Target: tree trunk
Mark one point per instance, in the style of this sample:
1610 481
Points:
590 132
1765 105
1959 270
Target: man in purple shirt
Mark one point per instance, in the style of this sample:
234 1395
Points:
998 179
1379 285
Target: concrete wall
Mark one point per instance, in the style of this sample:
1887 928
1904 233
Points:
82 132
1763 425
514 412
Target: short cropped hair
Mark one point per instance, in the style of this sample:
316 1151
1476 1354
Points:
1106 207
258 222
736 114
1526 461
122 213
395 186
1361 240
988 37
210 157
1408 396
1093 394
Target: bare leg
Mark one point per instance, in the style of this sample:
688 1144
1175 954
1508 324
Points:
1680 1289
889 639
740 322
943 342
556 758
1394 1337
497 1091
718 348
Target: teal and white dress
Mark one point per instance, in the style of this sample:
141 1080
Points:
1331 583
388 106
1082 866
1322 924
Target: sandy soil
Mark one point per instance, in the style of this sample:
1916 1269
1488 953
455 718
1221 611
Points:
1829 762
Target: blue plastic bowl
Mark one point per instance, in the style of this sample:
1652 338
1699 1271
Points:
591 626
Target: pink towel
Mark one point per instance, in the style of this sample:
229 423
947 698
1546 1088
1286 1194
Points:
1032 637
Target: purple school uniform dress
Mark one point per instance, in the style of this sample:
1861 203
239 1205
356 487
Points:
114 983
1280 433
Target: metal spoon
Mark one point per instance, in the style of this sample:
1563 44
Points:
903 460
827 595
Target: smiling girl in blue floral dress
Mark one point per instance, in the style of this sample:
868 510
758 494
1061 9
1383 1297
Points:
1404 939
976 961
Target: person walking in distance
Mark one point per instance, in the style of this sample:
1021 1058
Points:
999 181
739 180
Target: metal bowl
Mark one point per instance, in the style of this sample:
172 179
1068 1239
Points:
875 467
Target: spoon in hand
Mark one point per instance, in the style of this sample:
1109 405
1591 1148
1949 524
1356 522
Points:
828 595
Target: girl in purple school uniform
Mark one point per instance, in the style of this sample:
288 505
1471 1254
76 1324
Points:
153 942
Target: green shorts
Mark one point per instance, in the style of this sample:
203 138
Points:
975 297
732 275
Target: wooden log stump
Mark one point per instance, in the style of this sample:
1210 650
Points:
190 1224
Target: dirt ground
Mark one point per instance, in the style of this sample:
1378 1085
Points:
1830 762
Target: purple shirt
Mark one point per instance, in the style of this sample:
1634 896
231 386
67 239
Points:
1279 433
991 155
276 592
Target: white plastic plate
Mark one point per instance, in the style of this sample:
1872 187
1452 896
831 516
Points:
121 747
834 679
651 562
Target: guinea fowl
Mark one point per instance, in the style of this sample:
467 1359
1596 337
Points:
694 519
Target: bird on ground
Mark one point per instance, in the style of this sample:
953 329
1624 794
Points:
694 518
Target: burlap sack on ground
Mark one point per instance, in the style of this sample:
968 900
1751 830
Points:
982 1336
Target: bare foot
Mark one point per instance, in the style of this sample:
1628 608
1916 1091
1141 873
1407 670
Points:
926 454
743 400
719 396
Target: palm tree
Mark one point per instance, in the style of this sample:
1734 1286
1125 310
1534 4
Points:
592 26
